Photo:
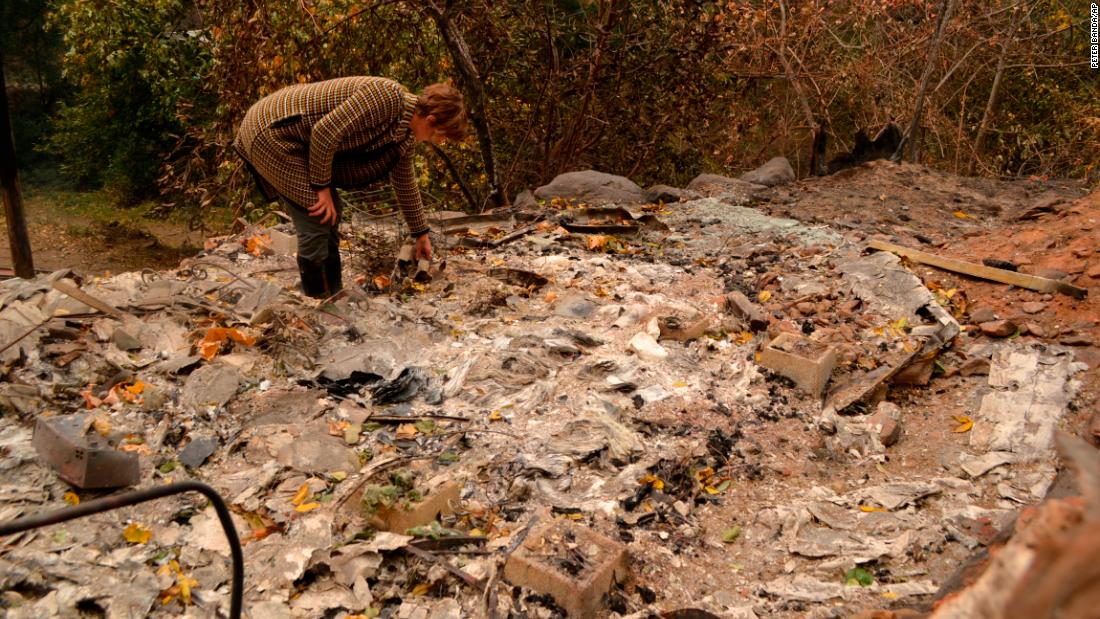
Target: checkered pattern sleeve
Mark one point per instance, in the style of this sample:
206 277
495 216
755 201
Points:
376 104
403 179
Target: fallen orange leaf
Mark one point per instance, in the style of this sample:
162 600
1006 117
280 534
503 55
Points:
211 343
301 495
965 424
307 507
101 426
137 534
258 245
872 508
71 498
596 241
90 400
406 431
381 282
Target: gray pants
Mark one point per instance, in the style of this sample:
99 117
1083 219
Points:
316 241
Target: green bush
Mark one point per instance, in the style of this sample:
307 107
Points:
133 62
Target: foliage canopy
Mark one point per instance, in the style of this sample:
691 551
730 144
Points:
658 90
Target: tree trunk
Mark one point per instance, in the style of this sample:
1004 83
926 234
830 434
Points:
994 91
817 143
9 180
910 137
470 81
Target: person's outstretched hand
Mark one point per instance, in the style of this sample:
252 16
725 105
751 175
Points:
324 207
424 248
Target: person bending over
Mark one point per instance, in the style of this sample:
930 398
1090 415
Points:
303 141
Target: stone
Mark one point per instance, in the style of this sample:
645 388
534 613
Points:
1033 307
197 451
982 314
975 366
646 347
777 171
1093 271
525 201
889 430
125 340
210 385
593 188
574 306
1076 339
806 308
319 454
708 184
998 328
807 362
673 328
1048 273
580 591
666 194
919 372
1036 329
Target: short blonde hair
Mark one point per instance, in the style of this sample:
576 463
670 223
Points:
446 103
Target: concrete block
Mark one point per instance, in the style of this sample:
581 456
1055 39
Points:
572 564
441 501
807 362
282 243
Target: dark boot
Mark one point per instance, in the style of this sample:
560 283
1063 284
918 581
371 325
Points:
333 276
313 278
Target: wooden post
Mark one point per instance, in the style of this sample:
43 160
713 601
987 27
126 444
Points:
9 185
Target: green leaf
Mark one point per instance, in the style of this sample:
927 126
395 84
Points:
425 426
731 534
859 576
168 467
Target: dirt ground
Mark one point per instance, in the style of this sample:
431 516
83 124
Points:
713 472
90 245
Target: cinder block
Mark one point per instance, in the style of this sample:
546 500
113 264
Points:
440 501
282 243
572 564
807 362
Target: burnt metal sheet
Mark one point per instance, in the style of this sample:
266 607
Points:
83 459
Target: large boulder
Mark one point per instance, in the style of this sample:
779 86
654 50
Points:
776 171
593 188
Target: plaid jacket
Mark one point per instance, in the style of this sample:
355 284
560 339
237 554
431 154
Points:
345 132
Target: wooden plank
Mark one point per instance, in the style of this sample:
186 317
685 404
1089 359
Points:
1023 280
89 300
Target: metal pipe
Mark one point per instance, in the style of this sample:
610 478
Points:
117 501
